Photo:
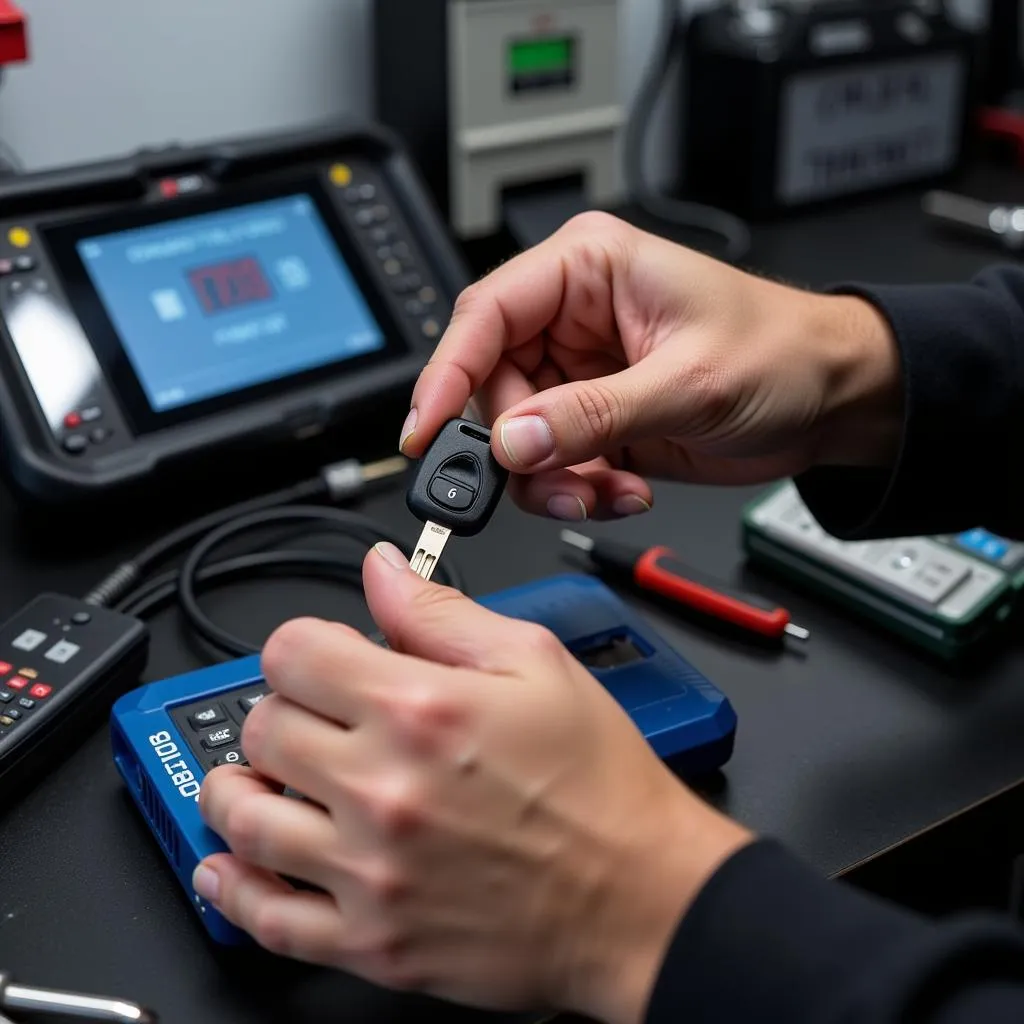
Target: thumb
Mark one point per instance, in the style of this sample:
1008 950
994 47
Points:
574 423
437 623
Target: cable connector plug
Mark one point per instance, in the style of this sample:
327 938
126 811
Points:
347 480
107 593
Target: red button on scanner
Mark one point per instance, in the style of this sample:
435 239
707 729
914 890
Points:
17 683
41 690
4 668
72 420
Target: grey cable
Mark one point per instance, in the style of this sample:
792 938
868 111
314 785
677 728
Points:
731 229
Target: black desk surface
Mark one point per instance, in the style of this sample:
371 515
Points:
844 750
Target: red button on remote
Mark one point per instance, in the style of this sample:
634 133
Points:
4 668
17 683
41 690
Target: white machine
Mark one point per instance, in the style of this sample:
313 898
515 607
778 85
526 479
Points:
495 95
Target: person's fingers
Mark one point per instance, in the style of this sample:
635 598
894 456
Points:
592 491
435 623
293 923
507 309
507 386
320 665
304 751
266 829
559 494
583 420
620 493
397 695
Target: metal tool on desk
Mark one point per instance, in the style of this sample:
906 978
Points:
658 570
1000 223
16 1000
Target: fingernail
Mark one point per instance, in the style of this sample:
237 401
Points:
567 506
527 440
630 505
206 883
407 429
391 555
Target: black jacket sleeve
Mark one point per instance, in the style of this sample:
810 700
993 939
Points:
768 940
961 463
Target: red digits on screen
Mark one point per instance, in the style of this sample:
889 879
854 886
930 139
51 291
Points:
227 285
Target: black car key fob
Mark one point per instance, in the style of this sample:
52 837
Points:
458 482
457 487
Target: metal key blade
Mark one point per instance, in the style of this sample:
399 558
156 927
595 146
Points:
428 550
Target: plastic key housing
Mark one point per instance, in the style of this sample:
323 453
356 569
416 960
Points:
458 482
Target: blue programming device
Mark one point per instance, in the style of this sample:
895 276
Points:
167 735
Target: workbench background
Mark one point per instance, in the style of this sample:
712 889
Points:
847 748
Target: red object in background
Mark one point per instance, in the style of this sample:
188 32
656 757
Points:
227 285
1006 126
658 571
13 37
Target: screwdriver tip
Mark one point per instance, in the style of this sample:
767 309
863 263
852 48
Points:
798 632
577 540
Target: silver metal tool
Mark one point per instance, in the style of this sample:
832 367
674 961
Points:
17 1000
1003 224
658 570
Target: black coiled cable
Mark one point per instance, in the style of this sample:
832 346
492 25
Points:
293 510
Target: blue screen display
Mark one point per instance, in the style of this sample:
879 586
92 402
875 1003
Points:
216 303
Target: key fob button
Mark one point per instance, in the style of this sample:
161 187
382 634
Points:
462 469
458 482
451 495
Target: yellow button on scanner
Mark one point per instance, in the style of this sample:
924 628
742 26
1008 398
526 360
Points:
341 175
19 238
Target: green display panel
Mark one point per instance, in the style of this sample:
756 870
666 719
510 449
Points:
542 63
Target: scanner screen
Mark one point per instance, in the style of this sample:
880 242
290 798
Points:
212 304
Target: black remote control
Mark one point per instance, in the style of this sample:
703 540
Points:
62 665
458 482
457 486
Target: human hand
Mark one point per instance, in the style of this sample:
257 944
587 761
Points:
484 822
606 357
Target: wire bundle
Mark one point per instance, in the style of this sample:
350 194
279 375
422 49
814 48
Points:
299 513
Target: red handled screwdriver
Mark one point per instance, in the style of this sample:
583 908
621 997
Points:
659 571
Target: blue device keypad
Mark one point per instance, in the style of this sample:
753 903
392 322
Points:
989 547
213 727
